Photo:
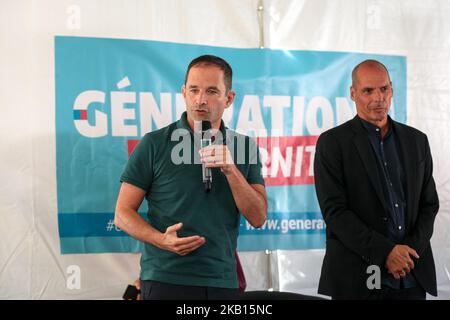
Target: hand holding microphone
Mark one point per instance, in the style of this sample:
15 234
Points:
217 156
213 156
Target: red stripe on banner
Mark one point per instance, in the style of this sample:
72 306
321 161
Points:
287 160
83 114
131 145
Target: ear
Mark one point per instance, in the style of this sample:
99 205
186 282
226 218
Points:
230 98
352 93
183 91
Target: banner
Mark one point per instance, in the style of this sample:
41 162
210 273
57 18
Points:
110 92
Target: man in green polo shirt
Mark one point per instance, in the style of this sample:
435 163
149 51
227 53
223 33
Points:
191 237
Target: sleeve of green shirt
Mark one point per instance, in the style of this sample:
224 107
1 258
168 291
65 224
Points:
139 169
254 173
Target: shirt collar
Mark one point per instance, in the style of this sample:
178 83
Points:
183 124
373 129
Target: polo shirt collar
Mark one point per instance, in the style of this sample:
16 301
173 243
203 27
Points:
183 124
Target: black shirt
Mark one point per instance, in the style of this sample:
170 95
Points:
393 181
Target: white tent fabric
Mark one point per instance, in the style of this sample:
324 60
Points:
31 266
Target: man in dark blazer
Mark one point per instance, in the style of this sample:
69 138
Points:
378 198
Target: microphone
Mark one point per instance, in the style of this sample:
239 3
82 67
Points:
204 142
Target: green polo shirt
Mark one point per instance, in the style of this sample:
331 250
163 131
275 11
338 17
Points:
171 175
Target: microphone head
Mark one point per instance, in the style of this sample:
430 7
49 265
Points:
206 125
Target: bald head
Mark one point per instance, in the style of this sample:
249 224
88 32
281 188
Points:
367 64
371 90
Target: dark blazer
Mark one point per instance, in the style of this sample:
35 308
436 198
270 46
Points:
355 210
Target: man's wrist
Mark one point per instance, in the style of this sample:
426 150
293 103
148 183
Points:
230 170
157 239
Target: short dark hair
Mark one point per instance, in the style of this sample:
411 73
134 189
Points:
370 62
207 60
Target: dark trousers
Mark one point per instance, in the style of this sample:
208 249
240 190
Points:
386 293
155 290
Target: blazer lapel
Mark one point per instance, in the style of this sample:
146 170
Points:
362 143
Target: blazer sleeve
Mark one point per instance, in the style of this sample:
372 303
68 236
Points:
419 237
344 224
